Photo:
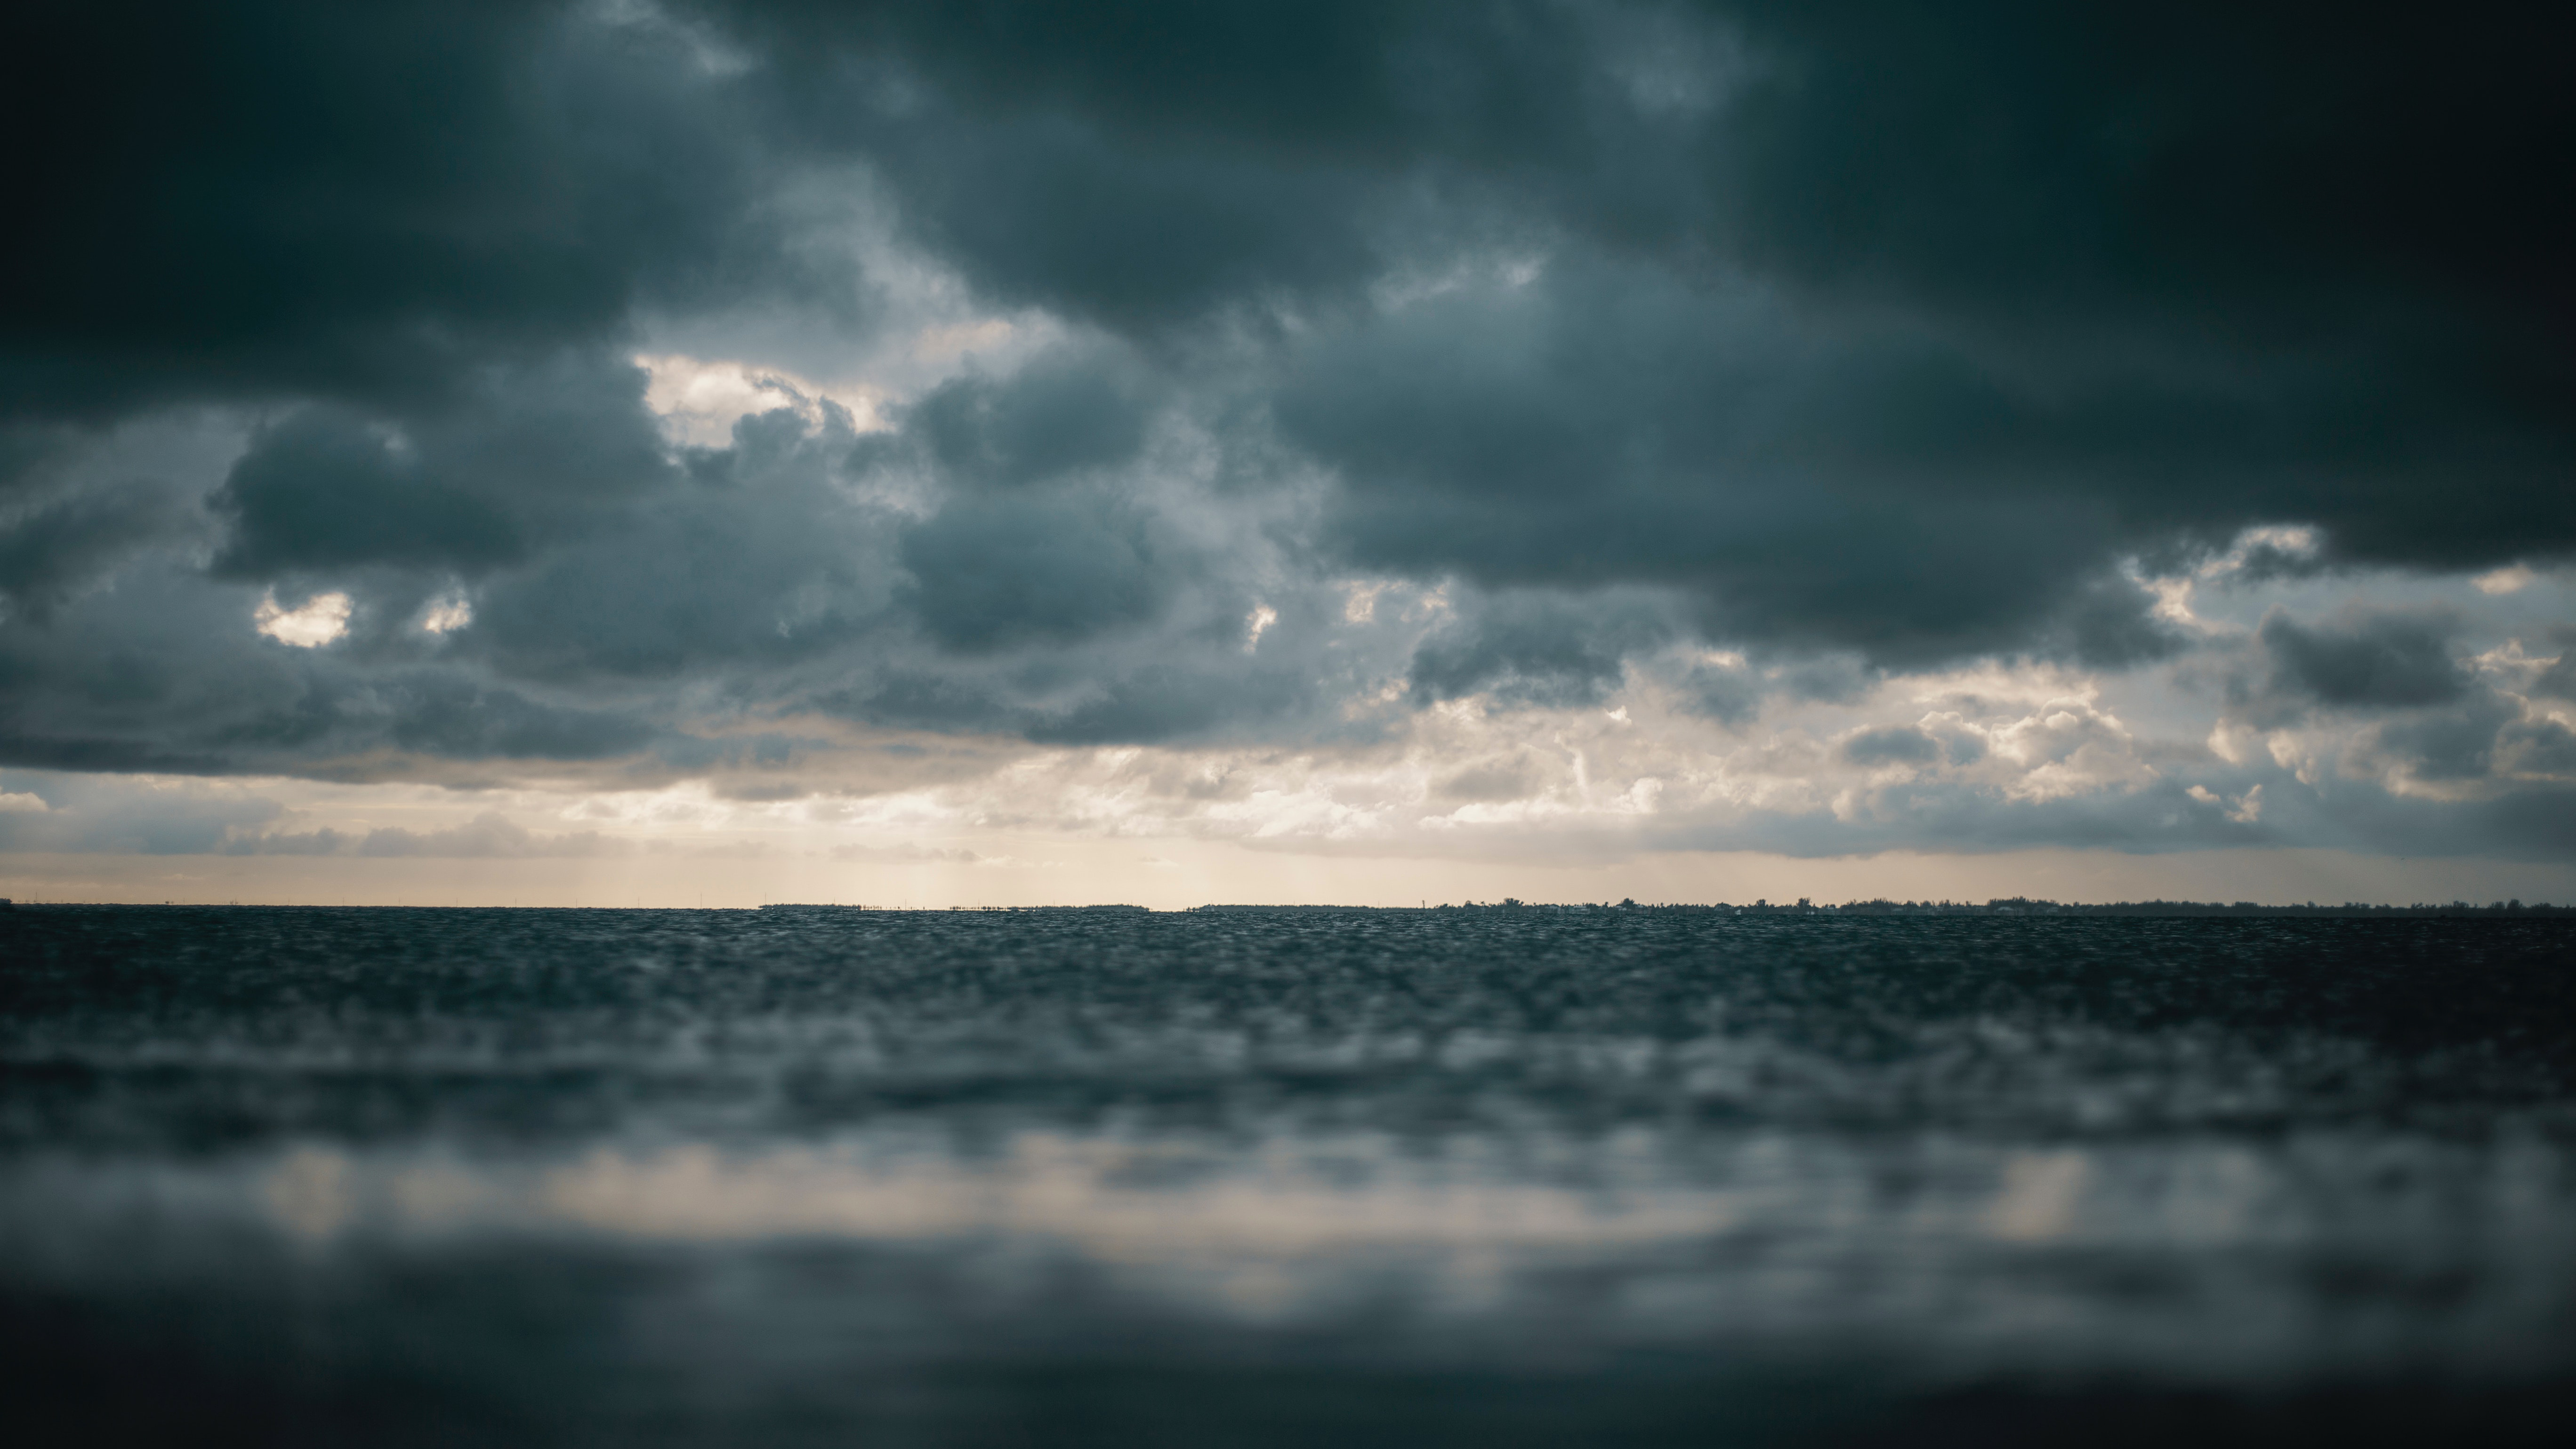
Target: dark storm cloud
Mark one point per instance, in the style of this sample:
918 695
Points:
1852 337
1145 164
450 718
2116 278
2450 744
1063 412
283 198
2425 715
1535 649
27 446
416 237
1039 540
164 671
753 557
525 457
1162 702
2366 661
435 713
1052 213
1053 570
49 550
1874 491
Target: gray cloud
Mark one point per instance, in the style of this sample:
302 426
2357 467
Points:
2539 747
1501 780
48 551
2074 306
1891 744
1728 695
1852 338
486 836
2399 675
2449 744
1062 412
528 456
165 671
2558 681
2367 661
1058 569
358 203
755 558
96 814
1536 649
445 716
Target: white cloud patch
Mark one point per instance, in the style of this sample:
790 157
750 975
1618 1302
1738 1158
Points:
2067 747
447 614
699 399
317 621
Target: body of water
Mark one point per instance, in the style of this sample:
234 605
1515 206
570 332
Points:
1248 1177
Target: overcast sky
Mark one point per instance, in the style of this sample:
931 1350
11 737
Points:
974 451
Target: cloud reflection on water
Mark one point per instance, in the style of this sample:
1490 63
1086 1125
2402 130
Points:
2198 1259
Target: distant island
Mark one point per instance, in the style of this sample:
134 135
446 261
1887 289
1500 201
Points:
2000 906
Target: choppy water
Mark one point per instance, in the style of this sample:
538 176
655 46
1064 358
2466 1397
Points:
409 1176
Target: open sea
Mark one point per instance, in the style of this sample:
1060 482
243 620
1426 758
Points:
1352 1178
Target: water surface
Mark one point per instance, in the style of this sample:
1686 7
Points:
425 1176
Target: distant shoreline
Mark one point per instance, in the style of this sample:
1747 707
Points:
2002 906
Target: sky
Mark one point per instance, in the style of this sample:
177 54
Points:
658 452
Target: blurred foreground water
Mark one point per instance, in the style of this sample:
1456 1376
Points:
1497 1177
